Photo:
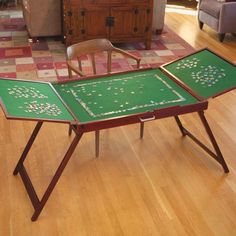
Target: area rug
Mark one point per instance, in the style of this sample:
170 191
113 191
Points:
45 60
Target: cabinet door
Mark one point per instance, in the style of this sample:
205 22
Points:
95 19
74 25
130 22
124 22
143 20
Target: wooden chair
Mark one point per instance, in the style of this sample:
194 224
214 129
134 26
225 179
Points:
91 48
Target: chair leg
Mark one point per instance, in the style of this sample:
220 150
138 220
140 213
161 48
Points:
141 130
200 24
97 133
221 37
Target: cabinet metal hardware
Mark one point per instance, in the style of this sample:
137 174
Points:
110 21
82 12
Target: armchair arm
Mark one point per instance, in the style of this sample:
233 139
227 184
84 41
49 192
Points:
227 21
71 68
137 59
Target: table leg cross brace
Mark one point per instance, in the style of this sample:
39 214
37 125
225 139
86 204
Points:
39 204
217 155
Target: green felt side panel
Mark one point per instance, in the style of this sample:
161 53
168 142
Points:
32 100
205 73
120 95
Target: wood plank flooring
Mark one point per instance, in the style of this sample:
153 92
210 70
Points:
162 185
185 24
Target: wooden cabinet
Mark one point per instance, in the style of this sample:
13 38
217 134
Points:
117 20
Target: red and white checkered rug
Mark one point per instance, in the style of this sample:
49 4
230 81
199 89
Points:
45 60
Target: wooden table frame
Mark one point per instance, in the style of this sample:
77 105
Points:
80 129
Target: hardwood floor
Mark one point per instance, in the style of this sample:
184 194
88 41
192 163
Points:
161 185
184 23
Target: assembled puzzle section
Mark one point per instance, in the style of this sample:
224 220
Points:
204 72
123 94
32 100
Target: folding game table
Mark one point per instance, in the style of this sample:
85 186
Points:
90 104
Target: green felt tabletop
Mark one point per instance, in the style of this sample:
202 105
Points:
32 100
122 94
205 73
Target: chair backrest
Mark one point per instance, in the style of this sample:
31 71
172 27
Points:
92 47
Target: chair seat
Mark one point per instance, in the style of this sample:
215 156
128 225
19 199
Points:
211 7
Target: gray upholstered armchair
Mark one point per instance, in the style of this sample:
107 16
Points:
219 15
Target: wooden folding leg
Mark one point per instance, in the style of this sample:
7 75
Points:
39 204
27 147
182 130
217 155
56 176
